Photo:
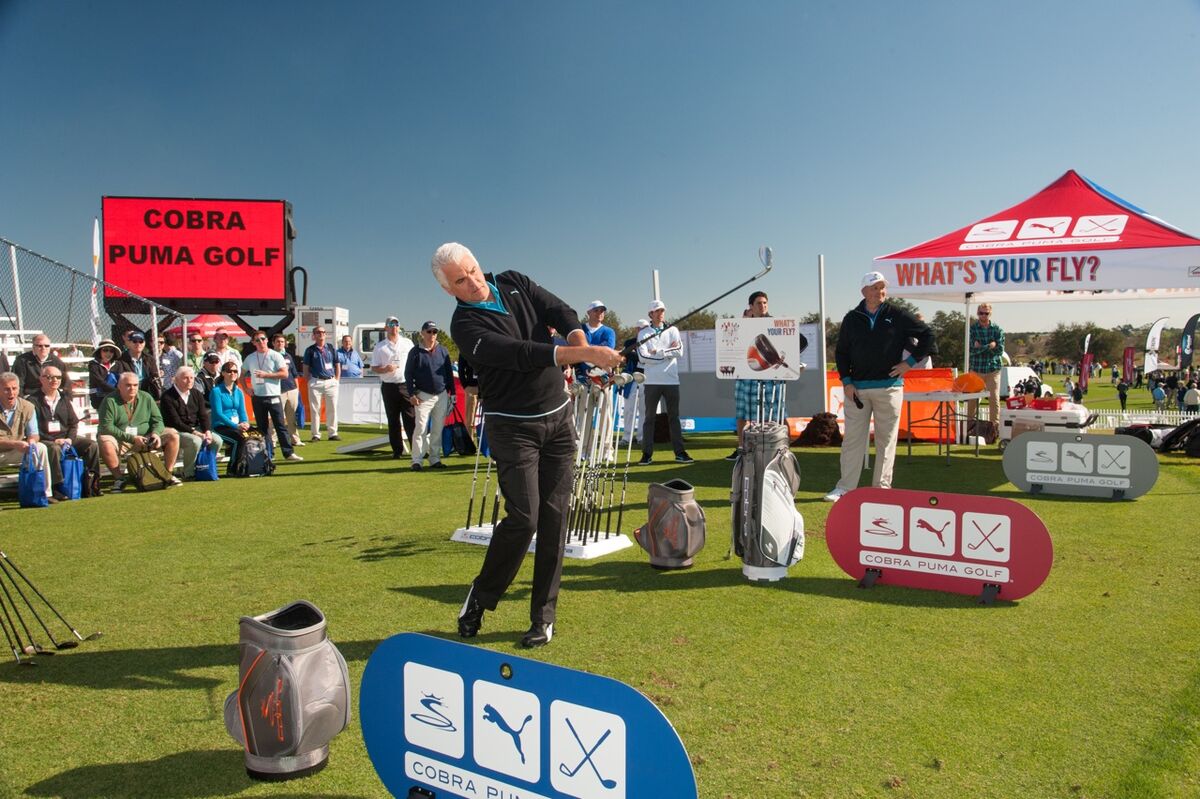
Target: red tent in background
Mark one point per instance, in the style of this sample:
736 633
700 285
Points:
1073 239
208 325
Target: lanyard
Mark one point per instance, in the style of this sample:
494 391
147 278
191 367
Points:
130 408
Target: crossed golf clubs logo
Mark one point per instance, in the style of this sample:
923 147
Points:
1114 459
587 757
987 538
1098 225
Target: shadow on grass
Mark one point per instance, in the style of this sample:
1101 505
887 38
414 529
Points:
624 577
146 668
183 775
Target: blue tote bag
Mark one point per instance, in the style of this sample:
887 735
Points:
72 473
206 464
31 481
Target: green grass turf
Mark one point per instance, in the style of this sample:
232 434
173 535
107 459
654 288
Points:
809 687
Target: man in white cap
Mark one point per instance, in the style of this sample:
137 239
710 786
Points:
659 350
598 334
388 360
871 363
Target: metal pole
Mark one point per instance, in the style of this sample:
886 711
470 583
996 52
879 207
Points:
822 355
12 255
967 333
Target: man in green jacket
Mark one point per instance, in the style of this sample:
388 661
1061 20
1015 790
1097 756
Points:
130 421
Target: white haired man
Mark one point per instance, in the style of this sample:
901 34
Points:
130 421
501 325
185 410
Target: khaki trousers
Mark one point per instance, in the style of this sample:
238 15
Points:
884 404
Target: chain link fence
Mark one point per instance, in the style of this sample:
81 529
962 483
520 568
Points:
39 295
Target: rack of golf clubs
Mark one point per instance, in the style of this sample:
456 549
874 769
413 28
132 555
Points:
594 495
768 531
14 623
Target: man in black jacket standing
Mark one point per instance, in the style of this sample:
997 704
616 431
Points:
501 325
871 363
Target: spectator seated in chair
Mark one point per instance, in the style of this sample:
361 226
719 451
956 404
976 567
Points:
137 359
228 409
28 365
130 421
18 428
185 410
58 426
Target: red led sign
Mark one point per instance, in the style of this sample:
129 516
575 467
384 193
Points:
944 542
198 255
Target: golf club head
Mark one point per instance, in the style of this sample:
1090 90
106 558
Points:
66 645
766 256
639 377
93 636
621 379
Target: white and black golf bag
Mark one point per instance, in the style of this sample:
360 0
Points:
768 531
293 693
674 531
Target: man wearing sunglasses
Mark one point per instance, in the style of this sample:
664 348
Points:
388 360
28 366
265 368
323 372
987 345
58 427
195 352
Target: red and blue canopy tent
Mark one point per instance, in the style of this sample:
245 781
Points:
1071 240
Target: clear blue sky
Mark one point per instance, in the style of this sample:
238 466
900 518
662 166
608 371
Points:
587 143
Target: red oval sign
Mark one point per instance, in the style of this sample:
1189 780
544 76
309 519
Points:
957 543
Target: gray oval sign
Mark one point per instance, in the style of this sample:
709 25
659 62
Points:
1081 465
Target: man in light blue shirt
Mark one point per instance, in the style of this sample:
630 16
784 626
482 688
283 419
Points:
265 368
348 357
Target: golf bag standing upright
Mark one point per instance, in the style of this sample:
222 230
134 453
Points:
768 531
293 693
674 531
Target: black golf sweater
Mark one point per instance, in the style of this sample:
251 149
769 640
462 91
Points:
865 353
511 352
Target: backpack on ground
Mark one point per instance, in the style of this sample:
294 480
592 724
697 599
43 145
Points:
768 531
147 471
674 531
253 459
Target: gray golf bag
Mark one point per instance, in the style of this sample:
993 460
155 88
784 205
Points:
768 531
293 693
674 531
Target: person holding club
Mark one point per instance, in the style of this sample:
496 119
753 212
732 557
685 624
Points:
501 325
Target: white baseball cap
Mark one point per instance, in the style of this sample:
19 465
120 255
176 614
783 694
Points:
594 304
871 278
643 323
656 305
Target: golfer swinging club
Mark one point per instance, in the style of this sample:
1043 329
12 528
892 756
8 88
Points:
501 327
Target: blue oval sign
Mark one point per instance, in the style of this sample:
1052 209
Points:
468 722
